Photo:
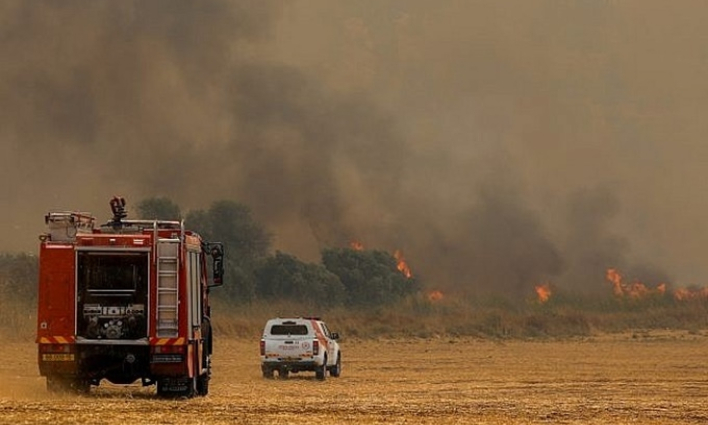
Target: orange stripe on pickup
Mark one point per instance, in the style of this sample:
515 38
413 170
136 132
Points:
320 336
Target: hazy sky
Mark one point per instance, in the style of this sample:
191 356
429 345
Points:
498 144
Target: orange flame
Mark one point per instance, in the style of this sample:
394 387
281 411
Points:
682 294
356 245
435 296
401 264
685 294
543 292
616 280
638 290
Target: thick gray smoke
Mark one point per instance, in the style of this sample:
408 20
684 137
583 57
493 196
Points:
498 144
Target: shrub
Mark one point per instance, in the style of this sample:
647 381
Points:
371 278
283 276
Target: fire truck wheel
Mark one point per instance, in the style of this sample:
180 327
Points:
56 384
203 385
81 386
177 388
61 384
283 373
191 390
162 390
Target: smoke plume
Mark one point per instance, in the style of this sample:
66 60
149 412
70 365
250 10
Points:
498 144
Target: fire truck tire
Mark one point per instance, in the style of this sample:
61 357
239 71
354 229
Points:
203 385
164 390
283 373
321 371
63 384
81 386
161 391
56 384
203 380
336 370
191 390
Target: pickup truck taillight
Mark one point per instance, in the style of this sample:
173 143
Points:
315 347
262 347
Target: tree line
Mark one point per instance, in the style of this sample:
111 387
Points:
345 276
253 271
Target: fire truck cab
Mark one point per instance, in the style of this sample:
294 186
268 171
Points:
125 301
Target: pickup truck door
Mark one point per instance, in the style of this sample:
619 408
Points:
331 345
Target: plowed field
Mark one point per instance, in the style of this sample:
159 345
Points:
651 378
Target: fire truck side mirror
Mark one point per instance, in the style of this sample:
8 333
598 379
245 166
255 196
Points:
218 272
216 250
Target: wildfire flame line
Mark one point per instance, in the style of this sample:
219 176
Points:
638 290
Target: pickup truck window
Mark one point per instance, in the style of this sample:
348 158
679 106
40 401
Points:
288 330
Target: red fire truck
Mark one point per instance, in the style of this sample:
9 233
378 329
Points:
125 301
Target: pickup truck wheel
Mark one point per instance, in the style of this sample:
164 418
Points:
283 373
336 370
321 371
267 372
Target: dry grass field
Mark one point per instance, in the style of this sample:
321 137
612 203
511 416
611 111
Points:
646 378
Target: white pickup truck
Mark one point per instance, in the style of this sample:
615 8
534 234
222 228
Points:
299 344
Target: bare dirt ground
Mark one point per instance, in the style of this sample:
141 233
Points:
648 378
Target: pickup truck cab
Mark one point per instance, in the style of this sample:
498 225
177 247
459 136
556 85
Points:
299 344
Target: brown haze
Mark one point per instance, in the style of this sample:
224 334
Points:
498 144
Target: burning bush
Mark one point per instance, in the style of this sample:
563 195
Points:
370 277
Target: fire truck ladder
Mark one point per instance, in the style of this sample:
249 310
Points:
167 289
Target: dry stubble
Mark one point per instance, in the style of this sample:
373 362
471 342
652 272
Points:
650 379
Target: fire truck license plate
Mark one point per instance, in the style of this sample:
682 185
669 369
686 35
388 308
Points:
58 357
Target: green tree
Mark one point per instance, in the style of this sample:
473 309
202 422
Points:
246 242
18 276
371 278
283 276
159 208
18 294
